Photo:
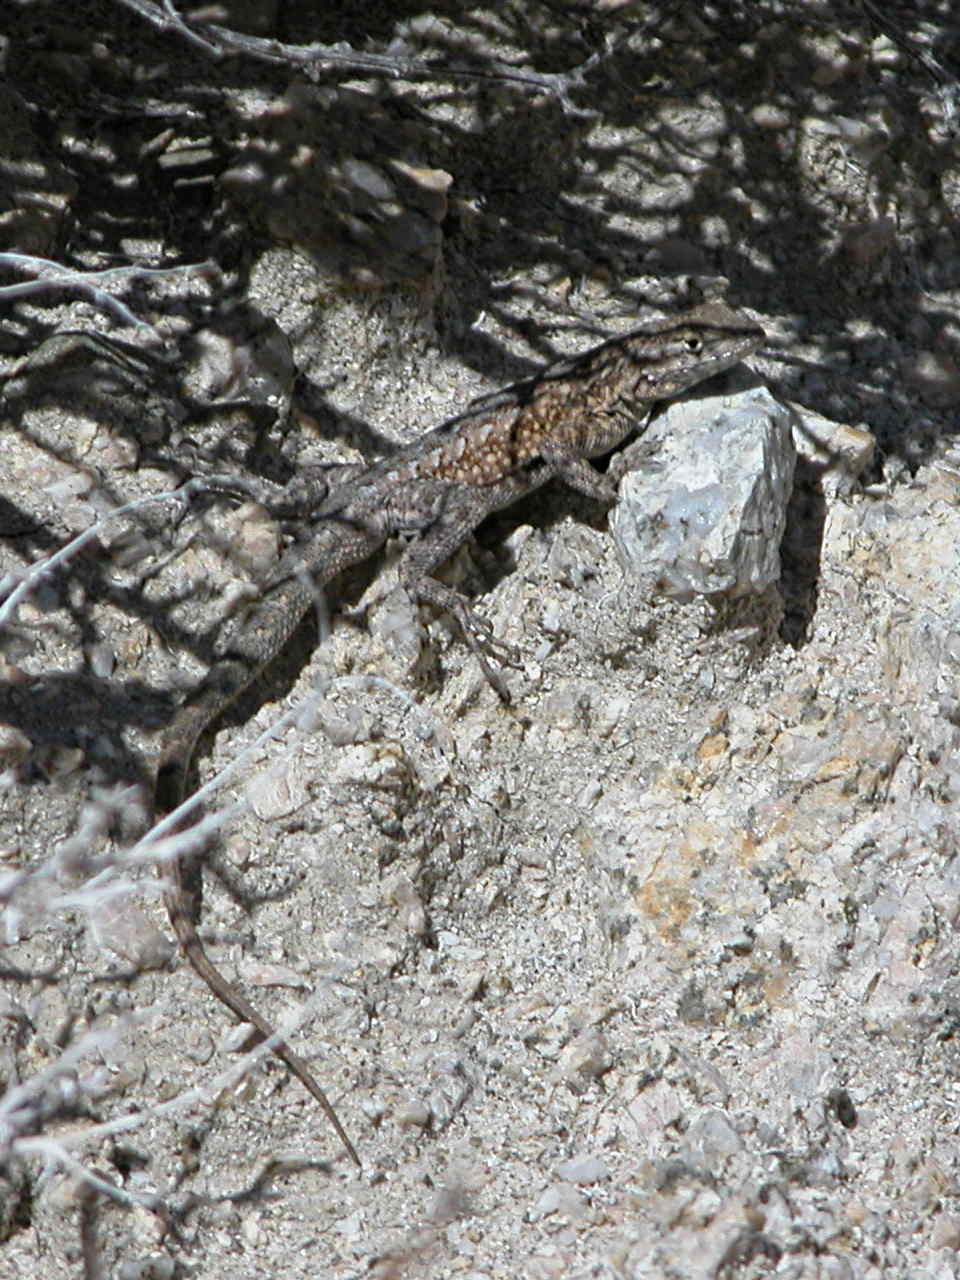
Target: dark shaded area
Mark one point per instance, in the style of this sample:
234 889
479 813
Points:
147 137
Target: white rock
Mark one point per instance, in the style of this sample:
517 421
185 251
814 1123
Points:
707 515
585 1171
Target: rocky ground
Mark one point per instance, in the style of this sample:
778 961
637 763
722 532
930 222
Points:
652 973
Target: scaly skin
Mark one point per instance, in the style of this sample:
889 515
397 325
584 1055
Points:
438 490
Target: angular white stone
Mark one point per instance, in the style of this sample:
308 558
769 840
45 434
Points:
706 514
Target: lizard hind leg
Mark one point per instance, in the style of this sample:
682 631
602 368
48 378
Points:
491 652
452 522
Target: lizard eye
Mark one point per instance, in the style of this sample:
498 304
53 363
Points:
694 344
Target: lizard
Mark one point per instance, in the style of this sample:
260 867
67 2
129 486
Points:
436 491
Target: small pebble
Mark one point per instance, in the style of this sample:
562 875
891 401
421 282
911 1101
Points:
585 1171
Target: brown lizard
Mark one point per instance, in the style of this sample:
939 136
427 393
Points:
437 490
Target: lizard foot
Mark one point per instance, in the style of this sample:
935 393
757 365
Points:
479 634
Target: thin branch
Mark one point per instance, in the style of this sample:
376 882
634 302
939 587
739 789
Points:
19 1106
90 282
213 1088
316 59
55 1153
158 846
43 568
